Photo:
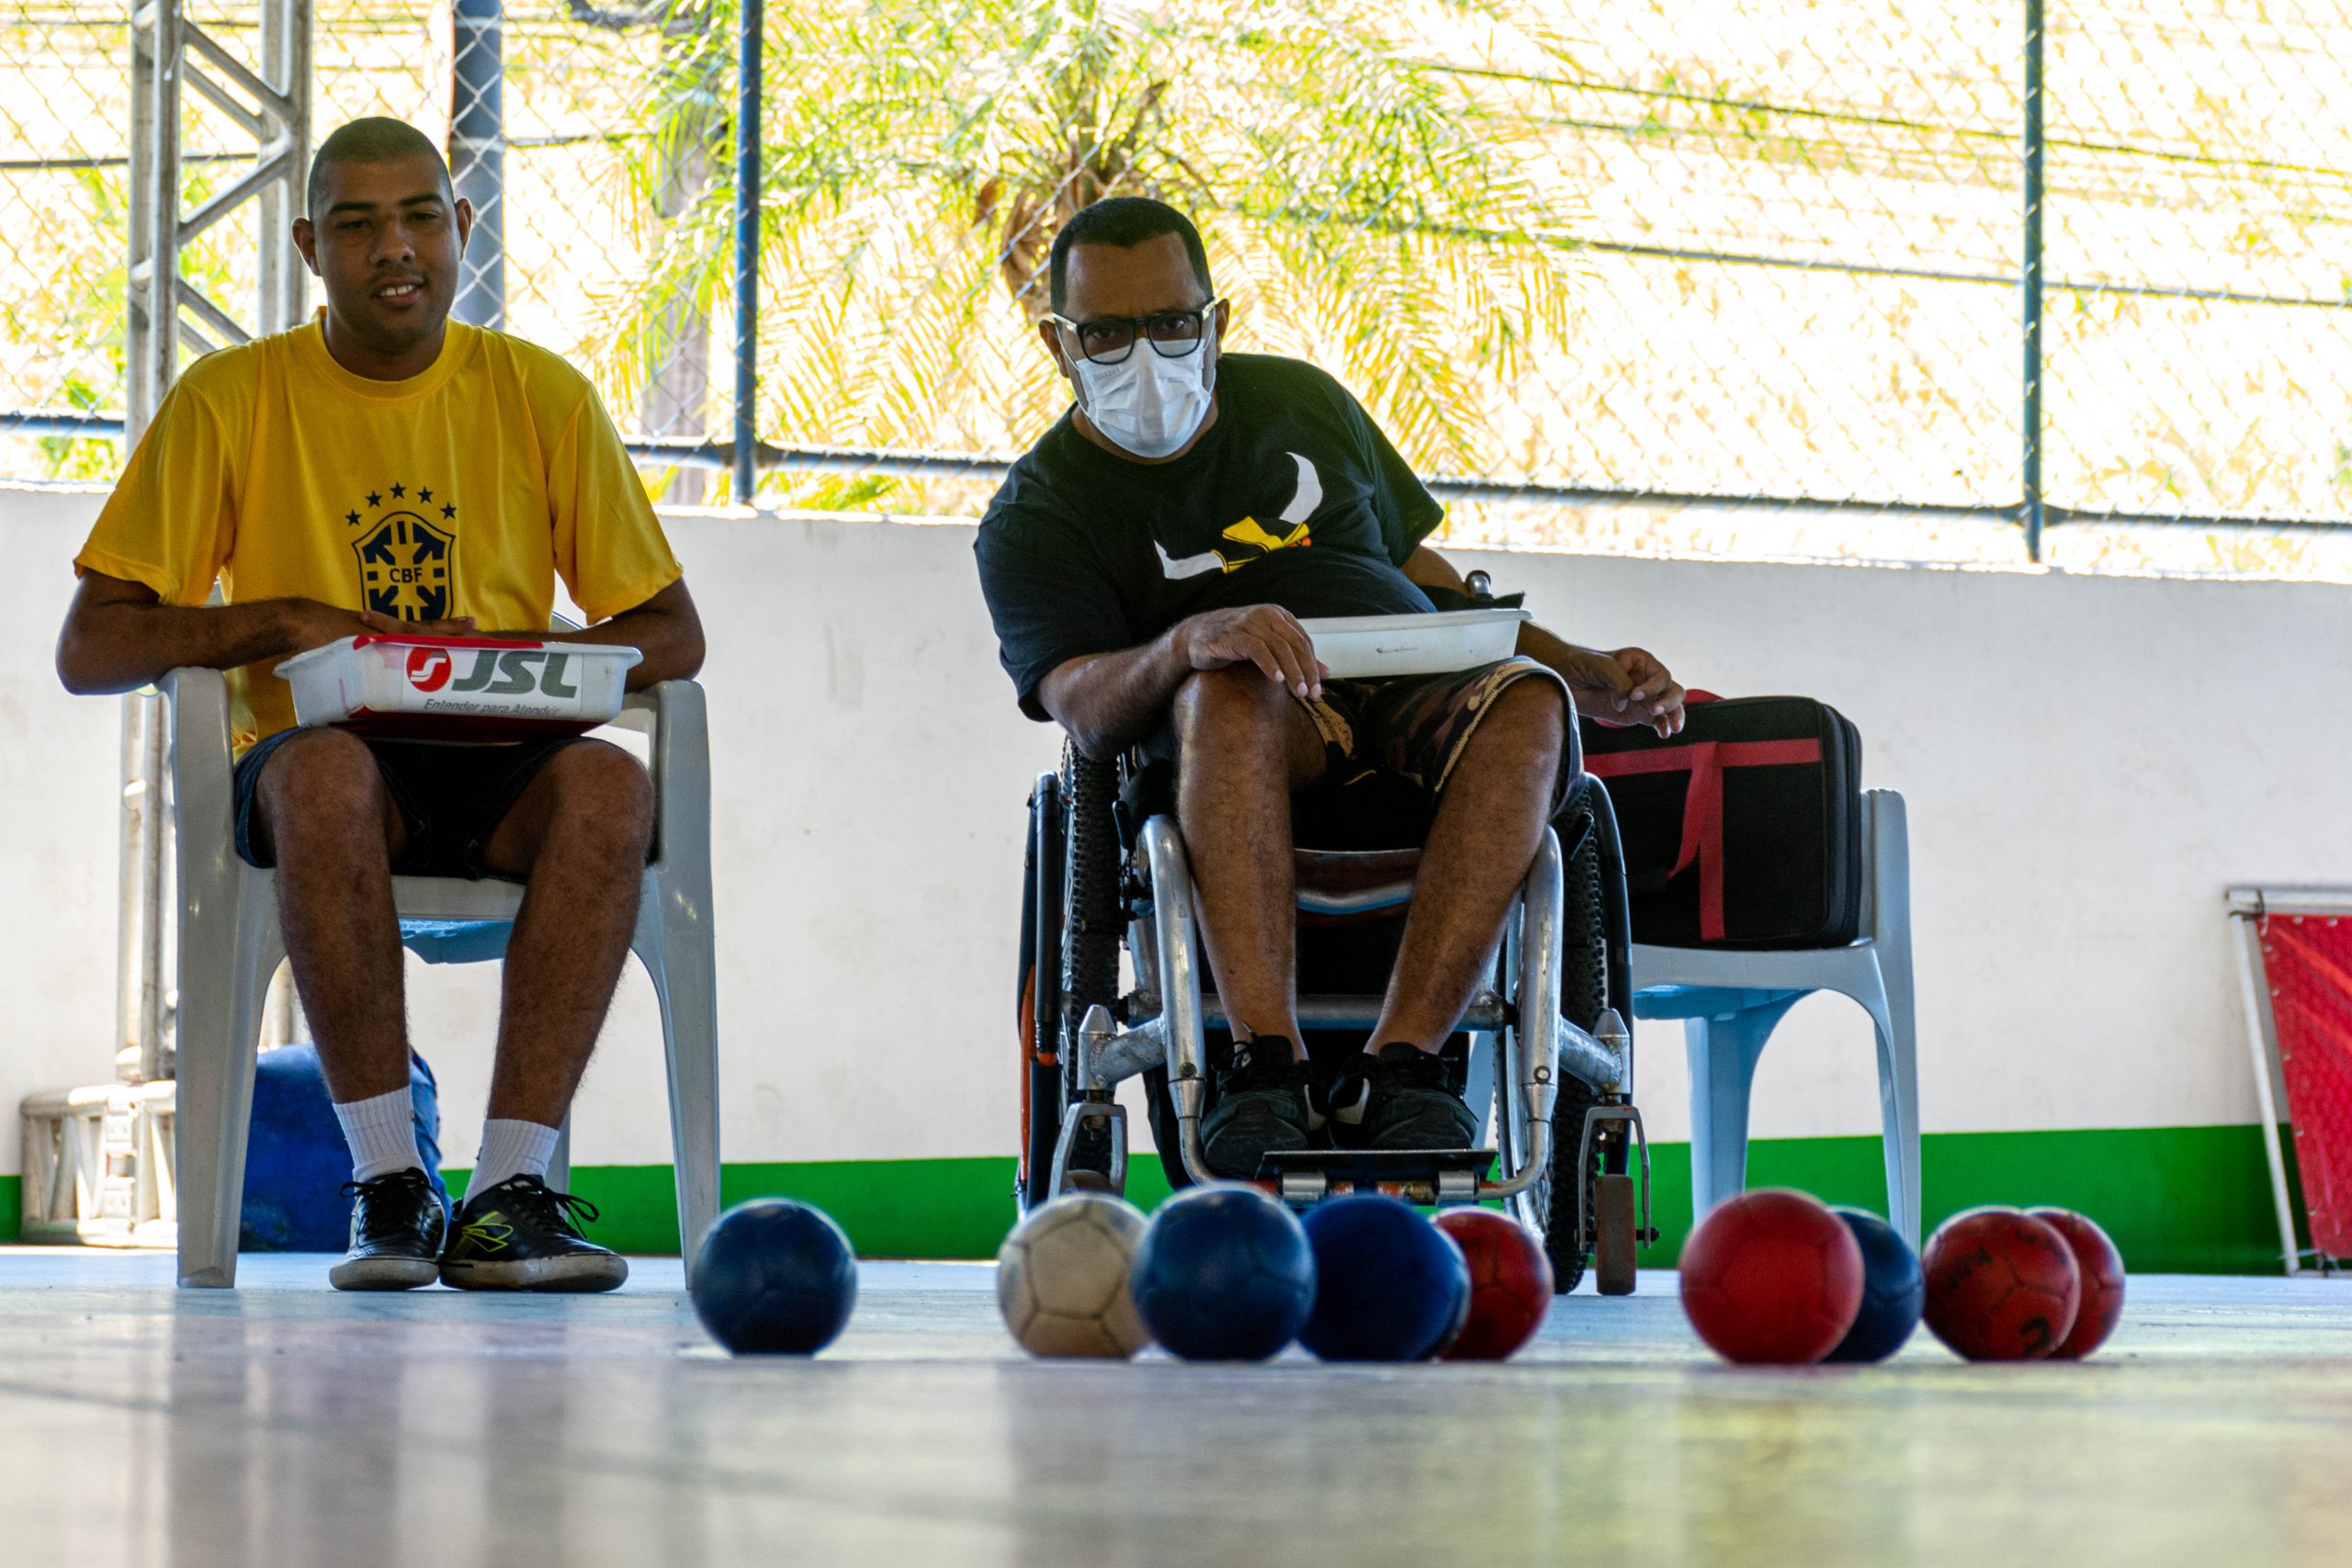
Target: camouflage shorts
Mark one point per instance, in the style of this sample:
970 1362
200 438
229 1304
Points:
1414 727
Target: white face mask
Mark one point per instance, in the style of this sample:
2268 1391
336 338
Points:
1147 403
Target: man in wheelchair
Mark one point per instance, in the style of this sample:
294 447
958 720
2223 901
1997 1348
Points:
1145 564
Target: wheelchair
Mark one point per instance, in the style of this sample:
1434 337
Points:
1543 1047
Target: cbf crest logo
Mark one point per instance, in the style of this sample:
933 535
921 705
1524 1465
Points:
406 545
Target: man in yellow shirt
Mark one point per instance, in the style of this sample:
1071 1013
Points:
383 469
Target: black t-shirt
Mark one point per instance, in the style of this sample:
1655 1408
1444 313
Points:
1293 498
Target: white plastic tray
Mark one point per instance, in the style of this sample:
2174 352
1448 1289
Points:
1363 647
459 688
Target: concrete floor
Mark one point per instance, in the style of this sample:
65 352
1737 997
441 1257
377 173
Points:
283 1425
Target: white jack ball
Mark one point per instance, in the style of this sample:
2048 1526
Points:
1061 1277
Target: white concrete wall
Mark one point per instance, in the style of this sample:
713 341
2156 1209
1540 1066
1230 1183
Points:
2088 761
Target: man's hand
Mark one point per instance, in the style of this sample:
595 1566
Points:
392 626
1629 686
1264 635
1110 700
305 624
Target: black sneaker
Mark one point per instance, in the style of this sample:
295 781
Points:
397 1226
1403 1098
522 1235
1261 1105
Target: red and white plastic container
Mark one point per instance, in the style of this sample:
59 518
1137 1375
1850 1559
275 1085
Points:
459 688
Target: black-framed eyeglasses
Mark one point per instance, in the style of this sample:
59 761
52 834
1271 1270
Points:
1108 340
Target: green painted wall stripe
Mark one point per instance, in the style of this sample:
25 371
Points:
2177 1199
891 1207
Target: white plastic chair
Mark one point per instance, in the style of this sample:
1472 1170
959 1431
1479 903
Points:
1729 1001
229 946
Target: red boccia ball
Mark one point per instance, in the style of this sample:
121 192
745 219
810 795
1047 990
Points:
2101 1267
1772 1277
1511 1284
2002 1286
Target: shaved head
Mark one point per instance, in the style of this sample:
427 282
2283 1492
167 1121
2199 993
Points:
387 237
375 141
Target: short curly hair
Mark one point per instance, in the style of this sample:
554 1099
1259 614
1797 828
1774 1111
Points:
1124 222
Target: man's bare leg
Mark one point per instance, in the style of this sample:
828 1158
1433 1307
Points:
325 817
321 811
1244 744
579 832
1492 814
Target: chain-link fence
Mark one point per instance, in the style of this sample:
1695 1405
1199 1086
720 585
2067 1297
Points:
1705 274
64 155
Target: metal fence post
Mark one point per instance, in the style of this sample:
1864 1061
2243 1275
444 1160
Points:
747 251
478 155
2030 508
282 281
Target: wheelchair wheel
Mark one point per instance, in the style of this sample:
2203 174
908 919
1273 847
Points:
1070 953
1614 1219
1038 994
1090 911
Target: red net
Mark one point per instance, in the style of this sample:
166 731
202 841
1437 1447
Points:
2307 960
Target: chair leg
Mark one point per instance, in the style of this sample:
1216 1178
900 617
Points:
675 944
1898 1099
226 964
1889 1006
1898 1094
560 1162
1723 1052
1896 1016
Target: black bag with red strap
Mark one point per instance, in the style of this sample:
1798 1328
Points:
1745 830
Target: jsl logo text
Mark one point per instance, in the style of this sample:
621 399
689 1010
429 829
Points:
491 672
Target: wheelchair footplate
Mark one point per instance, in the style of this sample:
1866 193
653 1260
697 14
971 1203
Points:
1302 1177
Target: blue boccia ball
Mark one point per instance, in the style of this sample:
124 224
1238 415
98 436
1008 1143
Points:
1224 1273
773 1277
1389 1286
1895 1288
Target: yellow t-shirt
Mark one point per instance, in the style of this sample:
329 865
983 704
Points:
464 490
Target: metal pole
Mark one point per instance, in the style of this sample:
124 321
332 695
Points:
747 251
478 156
153 321
284 281
171 51
2030 289
133 1001
2262 1040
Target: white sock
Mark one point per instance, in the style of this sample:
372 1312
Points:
381 1134
510 1149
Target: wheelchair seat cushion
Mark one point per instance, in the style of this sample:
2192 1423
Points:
1342 882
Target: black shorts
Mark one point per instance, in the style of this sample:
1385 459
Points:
451 796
